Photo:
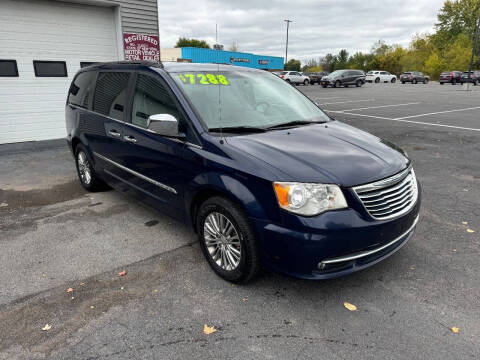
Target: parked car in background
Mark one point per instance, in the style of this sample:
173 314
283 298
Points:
378 76
315 78
271 180
474 77
344 78
414 77
452 77
295 77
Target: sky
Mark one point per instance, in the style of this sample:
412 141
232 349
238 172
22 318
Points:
318 27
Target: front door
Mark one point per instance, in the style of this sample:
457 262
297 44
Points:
156 162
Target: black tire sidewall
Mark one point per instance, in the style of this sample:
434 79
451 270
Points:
96 184
248 266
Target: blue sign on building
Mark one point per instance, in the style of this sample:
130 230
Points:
200 55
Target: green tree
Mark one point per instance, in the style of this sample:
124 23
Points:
292 65
434 65
342 60
185 42
458 55
455 18
328 62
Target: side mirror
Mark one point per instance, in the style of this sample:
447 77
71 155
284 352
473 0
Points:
163 124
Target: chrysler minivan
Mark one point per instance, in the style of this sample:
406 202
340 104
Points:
261 173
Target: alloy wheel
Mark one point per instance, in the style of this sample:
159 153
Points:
84 168
222 241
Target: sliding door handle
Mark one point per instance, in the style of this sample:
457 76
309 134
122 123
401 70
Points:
114 133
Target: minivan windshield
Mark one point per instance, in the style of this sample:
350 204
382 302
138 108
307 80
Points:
246 99
336 73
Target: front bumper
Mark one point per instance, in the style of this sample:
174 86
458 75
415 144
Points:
335 243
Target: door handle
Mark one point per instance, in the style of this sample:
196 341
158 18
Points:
130 138
114 133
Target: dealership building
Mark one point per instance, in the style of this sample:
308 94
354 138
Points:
43 43
200 55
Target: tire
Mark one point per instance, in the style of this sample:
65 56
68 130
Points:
393 81
288 81
324 86
337 84
377 80
475 83
305 82
359 83
454 82
425 81
414 81
403 82
85 171
219 213
441 83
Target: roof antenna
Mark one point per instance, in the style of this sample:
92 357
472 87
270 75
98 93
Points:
219 86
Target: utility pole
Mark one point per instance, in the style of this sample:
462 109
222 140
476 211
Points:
286 45
474 50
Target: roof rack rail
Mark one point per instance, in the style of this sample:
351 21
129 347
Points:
133 62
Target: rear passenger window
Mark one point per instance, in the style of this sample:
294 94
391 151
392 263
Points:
80 93
151 98
110 94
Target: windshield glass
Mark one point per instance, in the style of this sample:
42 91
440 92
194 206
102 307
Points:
337 72
245 99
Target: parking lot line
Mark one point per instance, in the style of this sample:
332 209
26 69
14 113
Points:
409 121
328 98
348 101
438 112
381 106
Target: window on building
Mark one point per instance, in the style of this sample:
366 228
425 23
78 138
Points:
151 97
110 99
80 92
8 68
50 68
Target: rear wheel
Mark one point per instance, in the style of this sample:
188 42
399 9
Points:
227 240
358 83
377 80
425 81
441 83
337 83
393 81
475 82
324 86
454 82
414 81
86 174
403 82
288 81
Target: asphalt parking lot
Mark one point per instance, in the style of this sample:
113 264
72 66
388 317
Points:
55 236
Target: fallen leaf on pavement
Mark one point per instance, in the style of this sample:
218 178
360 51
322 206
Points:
454 250
92 307
465 222
412 267
69 290
470 231
82 284
349 306
3 205
455 329
155 291
209 329
244 299
122 273
46 327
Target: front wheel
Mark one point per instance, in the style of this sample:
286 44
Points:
377 80
475 83
425 81
358 83
393 81
228 240
305 82
454 82
414 81
324 86
337 83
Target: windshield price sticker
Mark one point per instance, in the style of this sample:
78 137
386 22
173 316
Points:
203 79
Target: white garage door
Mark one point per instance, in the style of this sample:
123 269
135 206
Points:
31 107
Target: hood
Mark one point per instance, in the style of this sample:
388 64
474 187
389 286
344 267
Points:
325 153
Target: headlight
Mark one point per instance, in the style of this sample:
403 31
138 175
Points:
309 199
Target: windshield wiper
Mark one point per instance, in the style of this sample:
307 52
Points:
294 123
238 129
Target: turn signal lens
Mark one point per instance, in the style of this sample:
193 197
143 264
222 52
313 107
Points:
309 199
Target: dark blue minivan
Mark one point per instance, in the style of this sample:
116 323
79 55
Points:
262 174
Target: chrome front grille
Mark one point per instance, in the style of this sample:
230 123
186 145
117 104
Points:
390 197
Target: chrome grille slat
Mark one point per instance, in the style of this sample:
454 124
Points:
390 197
392 202
397 193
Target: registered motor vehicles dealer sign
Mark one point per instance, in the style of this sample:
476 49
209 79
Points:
141 47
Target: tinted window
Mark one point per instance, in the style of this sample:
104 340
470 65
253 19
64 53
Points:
8 68
86 63
50 68
151 97
110 94
80 92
